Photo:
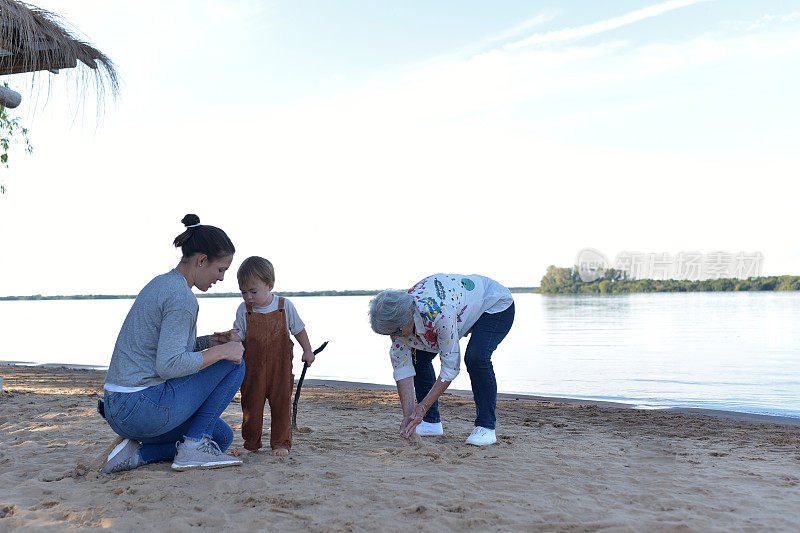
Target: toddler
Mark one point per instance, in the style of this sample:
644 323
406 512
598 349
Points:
263 323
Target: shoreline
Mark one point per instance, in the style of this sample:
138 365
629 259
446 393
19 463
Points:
734 417
724 415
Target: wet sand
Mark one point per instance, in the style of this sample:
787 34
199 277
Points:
557 466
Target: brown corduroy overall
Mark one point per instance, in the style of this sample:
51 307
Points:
268 376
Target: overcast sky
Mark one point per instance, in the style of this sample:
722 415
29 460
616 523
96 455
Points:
366 144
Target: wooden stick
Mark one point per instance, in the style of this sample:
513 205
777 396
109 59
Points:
300 385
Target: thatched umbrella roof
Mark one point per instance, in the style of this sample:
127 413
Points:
32 39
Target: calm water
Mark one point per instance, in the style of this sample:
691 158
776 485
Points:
736 351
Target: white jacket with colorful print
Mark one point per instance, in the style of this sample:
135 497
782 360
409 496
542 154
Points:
447 306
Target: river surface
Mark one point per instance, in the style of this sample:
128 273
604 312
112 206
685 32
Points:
733 351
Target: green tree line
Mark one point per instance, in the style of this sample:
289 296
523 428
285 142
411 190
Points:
558 280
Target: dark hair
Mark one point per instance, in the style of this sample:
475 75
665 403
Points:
208 240
256 268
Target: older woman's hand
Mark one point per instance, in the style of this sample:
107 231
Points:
414 420
404 423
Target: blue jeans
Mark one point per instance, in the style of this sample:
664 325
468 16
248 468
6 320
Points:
185 407
487 333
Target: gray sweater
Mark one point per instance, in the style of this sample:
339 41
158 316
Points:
158 340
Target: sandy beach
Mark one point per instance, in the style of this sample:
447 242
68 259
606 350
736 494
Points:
556 467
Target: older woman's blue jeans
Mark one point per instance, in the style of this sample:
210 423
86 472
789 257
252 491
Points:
487 333
185 407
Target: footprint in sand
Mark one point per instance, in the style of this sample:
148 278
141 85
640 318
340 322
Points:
418 510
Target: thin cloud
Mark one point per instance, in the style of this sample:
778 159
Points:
766 20
523 27
588 30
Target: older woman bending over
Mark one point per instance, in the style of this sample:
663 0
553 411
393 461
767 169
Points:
430 318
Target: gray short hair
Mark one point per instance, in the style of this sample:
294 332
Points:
390 311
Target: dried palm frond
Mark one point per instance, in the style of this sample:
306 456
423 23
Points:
33 39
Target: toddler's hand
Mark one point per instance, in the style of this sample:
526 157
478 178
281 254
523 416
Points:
308 358
221 337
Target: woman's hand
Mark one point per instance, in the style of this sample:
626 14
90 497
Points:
411 422
233 351
230 351
308 357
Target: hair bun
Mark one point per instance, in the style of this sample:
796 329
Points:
190 220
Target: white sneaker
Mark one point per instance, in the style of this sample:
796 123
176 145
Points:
202 454
124 456
481 436
430 428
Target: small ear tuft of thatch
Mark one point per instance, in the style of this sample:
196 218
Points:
33 39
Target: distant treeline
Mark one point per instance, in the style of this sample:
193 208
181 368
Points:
71 297
201 295
567 281
295 293
217 295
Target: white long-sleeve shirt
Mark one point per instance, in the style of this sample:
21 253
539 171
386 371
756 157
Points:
447 306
